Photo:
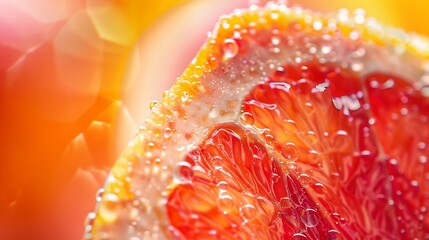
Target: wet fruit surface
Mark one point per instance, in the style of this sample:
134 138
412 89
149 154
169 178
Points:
286 125
320 173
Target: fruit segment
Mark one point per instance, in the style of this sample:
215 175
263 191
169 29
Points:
287 124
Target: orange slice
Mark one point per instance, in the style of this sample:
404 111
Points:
287 124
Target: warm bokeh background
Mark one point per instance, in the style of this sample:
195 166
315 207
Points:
76 80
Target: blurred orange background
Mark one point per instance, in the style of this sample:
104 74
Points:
77 77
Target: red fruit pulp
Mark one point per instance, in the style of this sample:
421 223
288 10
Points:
319 153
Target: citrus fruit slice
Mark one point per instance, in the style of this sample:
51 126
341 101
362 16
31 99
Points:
286 125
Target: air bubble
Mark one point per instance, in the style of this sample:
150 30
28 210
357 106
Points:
183 172
109 207
230 48
310 217
248 212
290 152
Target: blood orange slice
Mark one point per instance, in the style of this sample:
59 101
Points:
287 125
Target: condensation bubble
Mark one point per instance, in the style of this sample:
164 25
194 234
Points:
99 194
184 97
153 104
222 185
167 133
226 203
214 112
285 204
298 236
290 152
248 212
230 48
247 117
310 217
333 235
275 40
110 207
217 162
317 25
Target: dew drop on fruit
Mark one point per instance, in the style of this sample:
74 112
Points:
248 118
167 133
183 172
310 217
99 194
152 105
230 48
248 212
275 40
214 112
217 162
109 208
184 97
290 152
298 236
226 203
285 204
223 186
333 235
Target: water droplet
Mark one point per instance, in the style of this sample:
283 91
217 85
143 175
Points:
167 133
290 152
217 162
99 194
285 204
423 159
275 178
298 236
230 48
153 104
183 172
214 112
275 40
333 235
310 217
212 62
226 203
222 185
317 25
248 118
304 179
319 188
198 71
248 212
184 97
110 207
